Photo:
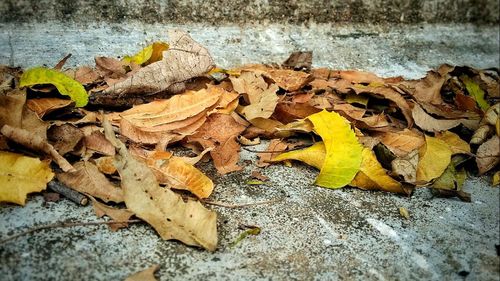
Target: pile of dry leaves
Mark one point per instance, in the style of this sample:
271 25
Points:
107 131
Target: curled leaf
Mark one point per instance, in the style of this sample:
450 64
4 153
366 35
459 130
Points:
149 54
64 84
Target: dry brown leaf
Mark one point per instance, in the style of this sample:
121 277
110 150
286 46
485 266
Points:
32 141
401 143
110 67
406 166
11 108
488 154
261 97
64 138
289 80
287 112
428 123
275 148
163 209
428 89
184 60
175 109
175 173
482 134
390 94
220 132
106 164
83 74
96 142
43 106
247 142
32 123
357 77
88 179
299 60
145 275
115 214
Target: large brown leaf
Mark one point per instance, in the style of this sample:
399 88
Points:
428 123
402 142
488 154
184 60
88 179
163 209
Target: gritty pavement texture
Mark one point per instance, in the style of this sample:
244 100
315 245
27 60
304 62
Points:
311 233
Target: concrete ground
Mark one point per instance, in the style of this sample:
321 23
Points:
312 233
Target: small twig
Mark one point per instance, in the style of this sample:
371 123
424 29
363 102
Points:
237 206
67 192
264 151
63 224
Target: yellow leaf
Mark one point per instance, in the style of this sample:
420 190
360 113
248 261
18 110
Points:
313 155
150 54
434 156
20 175
456 144
64 84
496 178
372 176
343 151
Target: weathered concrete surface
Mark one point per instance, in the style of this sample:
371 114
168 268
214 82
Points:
313 233
256 11
408 50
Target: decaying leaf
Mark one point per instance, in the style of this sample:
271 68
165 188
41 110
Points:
299 60
406 166
145 275
11 108
43 106
488 154
28 139
20 175
175 173
184 60
451 179
106 164
482 134
434 157
115 214
220 132
401 143
166 211
475 91
428 123
261 97
88 179
64 84
275 147
65 137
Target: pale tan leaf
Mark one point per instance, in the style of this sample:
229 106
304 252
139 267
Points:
88 179
184 60
406 166
275 148
401 143
43 106
166 211
428 123
98 143
115 214
488 154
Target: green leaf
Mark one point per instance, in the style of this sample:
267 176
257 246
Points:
64 84
475 92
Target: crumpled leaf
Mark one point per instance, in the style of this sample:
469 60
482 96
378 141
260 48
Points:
188 222
261 97
64 84
406 166
456 144
184 60
88 179
148 55
481 134
451 179
488 154
220 132
175 173
20 175
65 137
434 156
343 151
115 214
145 275
372 176
475 91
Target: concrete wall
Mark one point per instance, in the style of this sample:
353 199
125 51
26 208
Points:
252 11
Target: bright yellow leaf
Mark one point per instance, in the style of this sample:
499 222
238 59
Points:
313 155
496 178
343 151
20 175
150 54
372 176
64 84
456 144
434 156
